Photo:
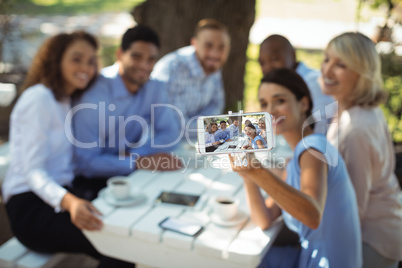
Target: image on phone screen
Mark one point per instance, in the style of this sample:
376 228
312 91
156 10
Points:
177 198
232 133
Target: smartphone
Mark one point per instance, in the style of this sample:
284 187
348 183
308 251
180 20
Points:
181 226
235 133
177 198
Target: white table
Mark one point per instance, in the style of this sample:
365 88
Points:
239 143
132 233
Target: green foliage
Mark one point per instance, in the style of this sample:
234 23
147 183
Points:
391 69
108 51
252 79
6 6
69 7
375 4
311 58
5 26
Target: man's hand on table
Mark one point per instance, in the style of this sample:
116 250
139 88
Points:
83 214
159 162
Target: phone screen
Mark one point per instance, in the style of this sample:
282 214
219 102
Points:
177 198
234 133
181 226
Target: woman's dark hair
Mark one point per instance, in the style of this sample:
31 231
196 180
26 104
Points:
294 83
251 126
139 33
46 65
209 127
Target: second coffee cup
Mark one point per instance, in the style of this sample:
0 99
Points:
119 187
225 207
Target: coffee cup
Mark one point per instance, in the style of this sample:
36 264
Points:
225 207
119 187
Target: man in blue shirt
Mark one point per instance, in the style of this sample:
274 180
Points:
234 128
193 73
223 133
277 52
123 121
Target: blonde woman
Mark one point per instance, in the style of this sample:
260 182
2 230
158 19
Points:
351 73
261 125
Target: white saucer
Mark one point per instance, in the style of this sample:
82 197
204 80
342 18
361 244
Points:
135 198
239 218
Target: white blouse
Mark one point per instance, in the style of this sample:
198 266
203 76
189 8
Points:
362 137
41 155
209 139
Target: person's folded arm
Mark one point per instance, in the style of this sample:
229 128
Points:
164 129
90 155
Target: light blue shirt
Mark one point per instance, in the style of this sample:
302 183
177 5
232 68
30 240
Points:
254 142
234 130
337 240
223 134
118 118
209 139
322 108
189 88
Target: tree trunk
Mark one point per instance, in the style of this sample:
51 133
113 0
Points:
175 21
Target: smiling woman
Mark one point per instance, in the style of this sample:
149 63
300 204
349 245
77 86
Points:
352 74
78 66
315 190
65 63
44 213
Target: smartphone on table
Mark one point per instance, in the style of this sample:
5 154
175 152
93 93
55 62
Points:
176 198
181 226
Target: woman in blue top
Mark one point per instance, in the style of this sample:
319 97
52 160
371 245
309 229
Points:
315 195
255 141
